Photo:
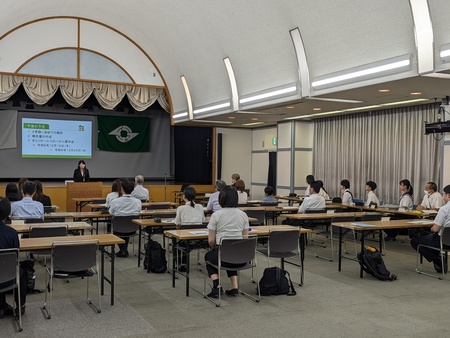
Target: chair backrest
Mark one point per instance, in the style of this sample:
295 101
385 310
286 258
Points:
9 265
48 231
269 204
283 240
74 256
99 201
260 215
445 238
168 214
194 225
124 224
48 209
336 200
155 206
371 217
339 219
315 211
237 251
358 201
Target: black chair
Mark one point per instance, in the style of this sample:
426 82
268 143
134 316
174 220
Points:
49 209
125 226
10 272
235 251
75 259
259 214
37 231
443 252
271 215
283 244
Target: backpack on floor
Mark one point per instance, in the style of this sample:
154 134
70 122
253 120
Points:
275 282
372 262
155 257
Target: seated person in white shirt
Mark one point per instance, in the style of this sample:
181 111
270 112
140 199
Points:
27 208
322 191
347 196
139 191
309 180
126 205
371 197
314 201
432 199
242 195
406 202
213 202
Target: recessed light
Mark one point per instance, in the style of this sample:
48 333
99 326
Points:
290 107
232 117
416 93
252 124
317 109
255 119
384 90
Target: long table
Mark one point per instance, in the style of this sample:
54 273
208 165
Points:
324 216
104 240
201 234
366 227
71 226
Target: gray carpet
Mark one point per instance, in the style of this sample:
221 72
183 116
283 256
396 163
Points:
74 317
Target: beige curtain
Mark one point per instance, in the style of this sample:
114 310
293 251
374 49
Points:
75 93
384 147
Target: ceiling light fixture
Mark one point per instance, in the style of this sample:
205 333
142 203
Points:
317 109
179 115
188 97
232 79
415 93
212 122
252 124
290 107
211 108
334 100
384 90
271 94
365 72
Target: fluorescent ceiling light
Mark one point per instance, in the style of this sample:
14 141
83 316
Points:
188 96
252 124
278 92
213 122
233 84
177 116
356 109
365 72
333 100
445 53
210 108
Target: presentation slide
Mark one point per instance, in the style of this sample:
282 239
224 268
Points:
44 138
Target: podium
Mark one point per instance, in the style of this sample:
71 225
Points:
82 190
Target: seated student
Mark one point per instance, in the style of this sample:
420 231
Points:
13 193
20 186
309 180
406 203
347 196
322 191
234 179
371 197
213 202
441 221
139 191
39 195
314 201
9 239
116 192
190 212
126 205
27 208
432 199
269 198
242 195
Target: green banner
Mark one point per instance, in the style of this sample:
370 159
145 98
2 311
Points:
123 134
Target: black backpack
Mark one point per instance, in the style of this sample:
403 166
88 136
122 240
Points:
155 257
372 262
275 282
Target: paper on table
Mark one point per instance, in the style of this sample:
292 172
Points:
363 225
421 221
199 232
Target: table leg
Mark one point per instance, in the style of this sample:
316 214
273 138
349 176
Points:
381 240
139 246
102 268
188 251
174 253
302 256
112 274
340 249
362 249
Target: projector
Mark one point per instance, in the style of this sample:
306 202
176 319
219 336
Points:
437 127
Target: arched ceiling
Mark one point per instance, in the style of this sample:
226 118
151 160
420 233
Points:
191 39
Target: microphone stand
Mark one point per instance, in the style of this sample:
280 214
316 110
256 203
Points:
165 187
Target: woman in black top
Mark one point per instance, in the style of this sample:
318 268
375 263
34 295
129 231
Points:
39 195
12 192
81 174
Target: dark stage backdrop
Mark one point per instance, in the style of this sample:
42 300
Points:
193 155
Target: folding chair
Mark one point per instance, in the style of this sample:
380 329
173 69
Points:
443 252
328 233
283 244
125 226
258 213
235 251
37 231
72 260
10 272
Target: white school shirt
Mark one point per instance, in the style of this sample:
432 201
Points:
406 202
443 218
228 223
433 201
314 201
242 197
347 197
371 197
188 214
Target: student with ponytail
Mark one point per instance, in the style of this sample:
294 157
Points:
406 203
190 212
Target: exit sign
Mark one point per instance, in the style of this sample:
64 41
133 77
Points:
274 141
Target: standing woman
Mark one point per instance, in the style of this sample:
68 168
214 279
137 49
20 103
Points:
228 222
81 174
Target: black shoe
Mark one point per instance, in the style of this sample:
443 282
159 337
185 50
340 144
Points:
16 312
232 292
122 254
438 266
215 293
6 312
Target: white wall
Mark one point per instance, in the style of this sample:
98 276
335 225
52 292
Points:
236 154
